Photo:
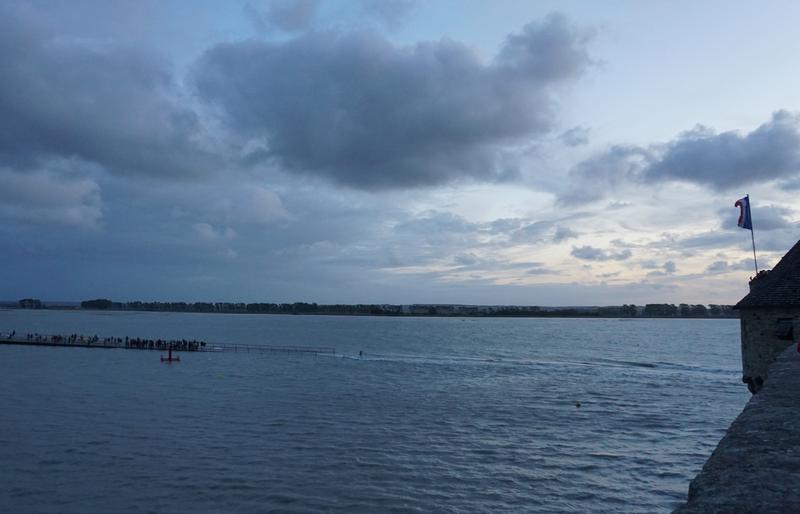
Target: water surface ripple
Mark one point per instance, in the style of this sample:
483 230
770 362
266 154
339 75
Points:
440 415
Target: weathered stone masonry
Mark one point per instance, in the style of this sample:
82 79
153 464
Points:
765 334
754 469
770 317
755 466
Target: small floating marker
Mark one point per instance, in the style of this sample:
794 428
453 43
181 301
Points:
170 358
578 404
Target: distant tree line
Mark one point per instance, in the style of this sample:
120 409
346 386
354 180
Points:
243 308
651 310
30 303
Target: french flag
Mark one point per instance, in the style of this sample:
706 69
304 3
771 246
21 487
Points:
744 212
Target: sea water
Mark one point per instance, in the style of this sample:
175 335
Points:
409 415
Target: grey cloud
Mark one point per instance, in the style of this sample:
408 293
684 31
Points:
504 225
765 217
471 262
46 197
285 15
525 231
665 268
702 156
436 233
546 51
538 270
391 13
360 111
593 178
208 233
725 266
94 100
668 268
576 136
700 241
774 241
467 259
531 232
253 204
427 238
770 241
730 159
590 253
563 233
431 223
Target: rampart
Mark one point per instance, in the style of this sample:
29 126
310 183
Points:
754 467
765 334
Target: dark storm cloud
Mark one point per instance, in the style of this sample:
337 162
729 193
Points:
590 253
100 102
701 156
360 111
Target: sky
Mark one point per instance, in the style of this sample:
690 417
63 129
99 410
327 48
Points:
395 151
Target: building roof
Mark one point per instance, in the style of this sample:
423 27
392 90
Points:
778 288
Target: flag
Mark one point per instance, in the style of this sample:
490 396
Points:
744 213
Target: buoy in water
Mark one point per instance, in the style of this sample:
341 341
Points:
170 358
578 404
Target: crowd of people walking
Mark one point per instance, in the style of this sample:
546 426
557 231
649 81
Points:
117 342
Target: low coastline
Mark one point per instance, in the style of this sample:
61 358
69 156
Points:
647 311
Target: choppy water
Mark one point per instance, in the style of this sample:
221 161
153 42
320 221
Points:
441 415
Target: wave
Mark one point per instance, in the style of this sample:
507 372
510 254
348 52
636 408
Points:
451 360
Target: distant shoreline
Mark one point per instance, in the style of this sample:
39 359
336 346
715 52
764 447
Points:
666 311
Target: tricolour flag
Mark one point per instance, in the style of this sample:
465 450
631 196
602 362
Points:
744 213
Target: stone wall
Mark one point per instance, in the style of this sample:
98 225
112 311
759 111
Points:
754 468
766 332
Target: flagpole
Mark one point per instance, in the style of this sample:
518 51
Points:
752 234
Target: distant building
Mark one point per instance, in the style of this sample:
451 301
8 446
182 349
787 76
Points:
770 317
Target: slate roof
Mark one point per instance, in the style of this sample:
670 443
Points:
780 287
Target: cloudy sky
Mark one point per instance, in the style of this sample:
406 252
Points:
395 151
